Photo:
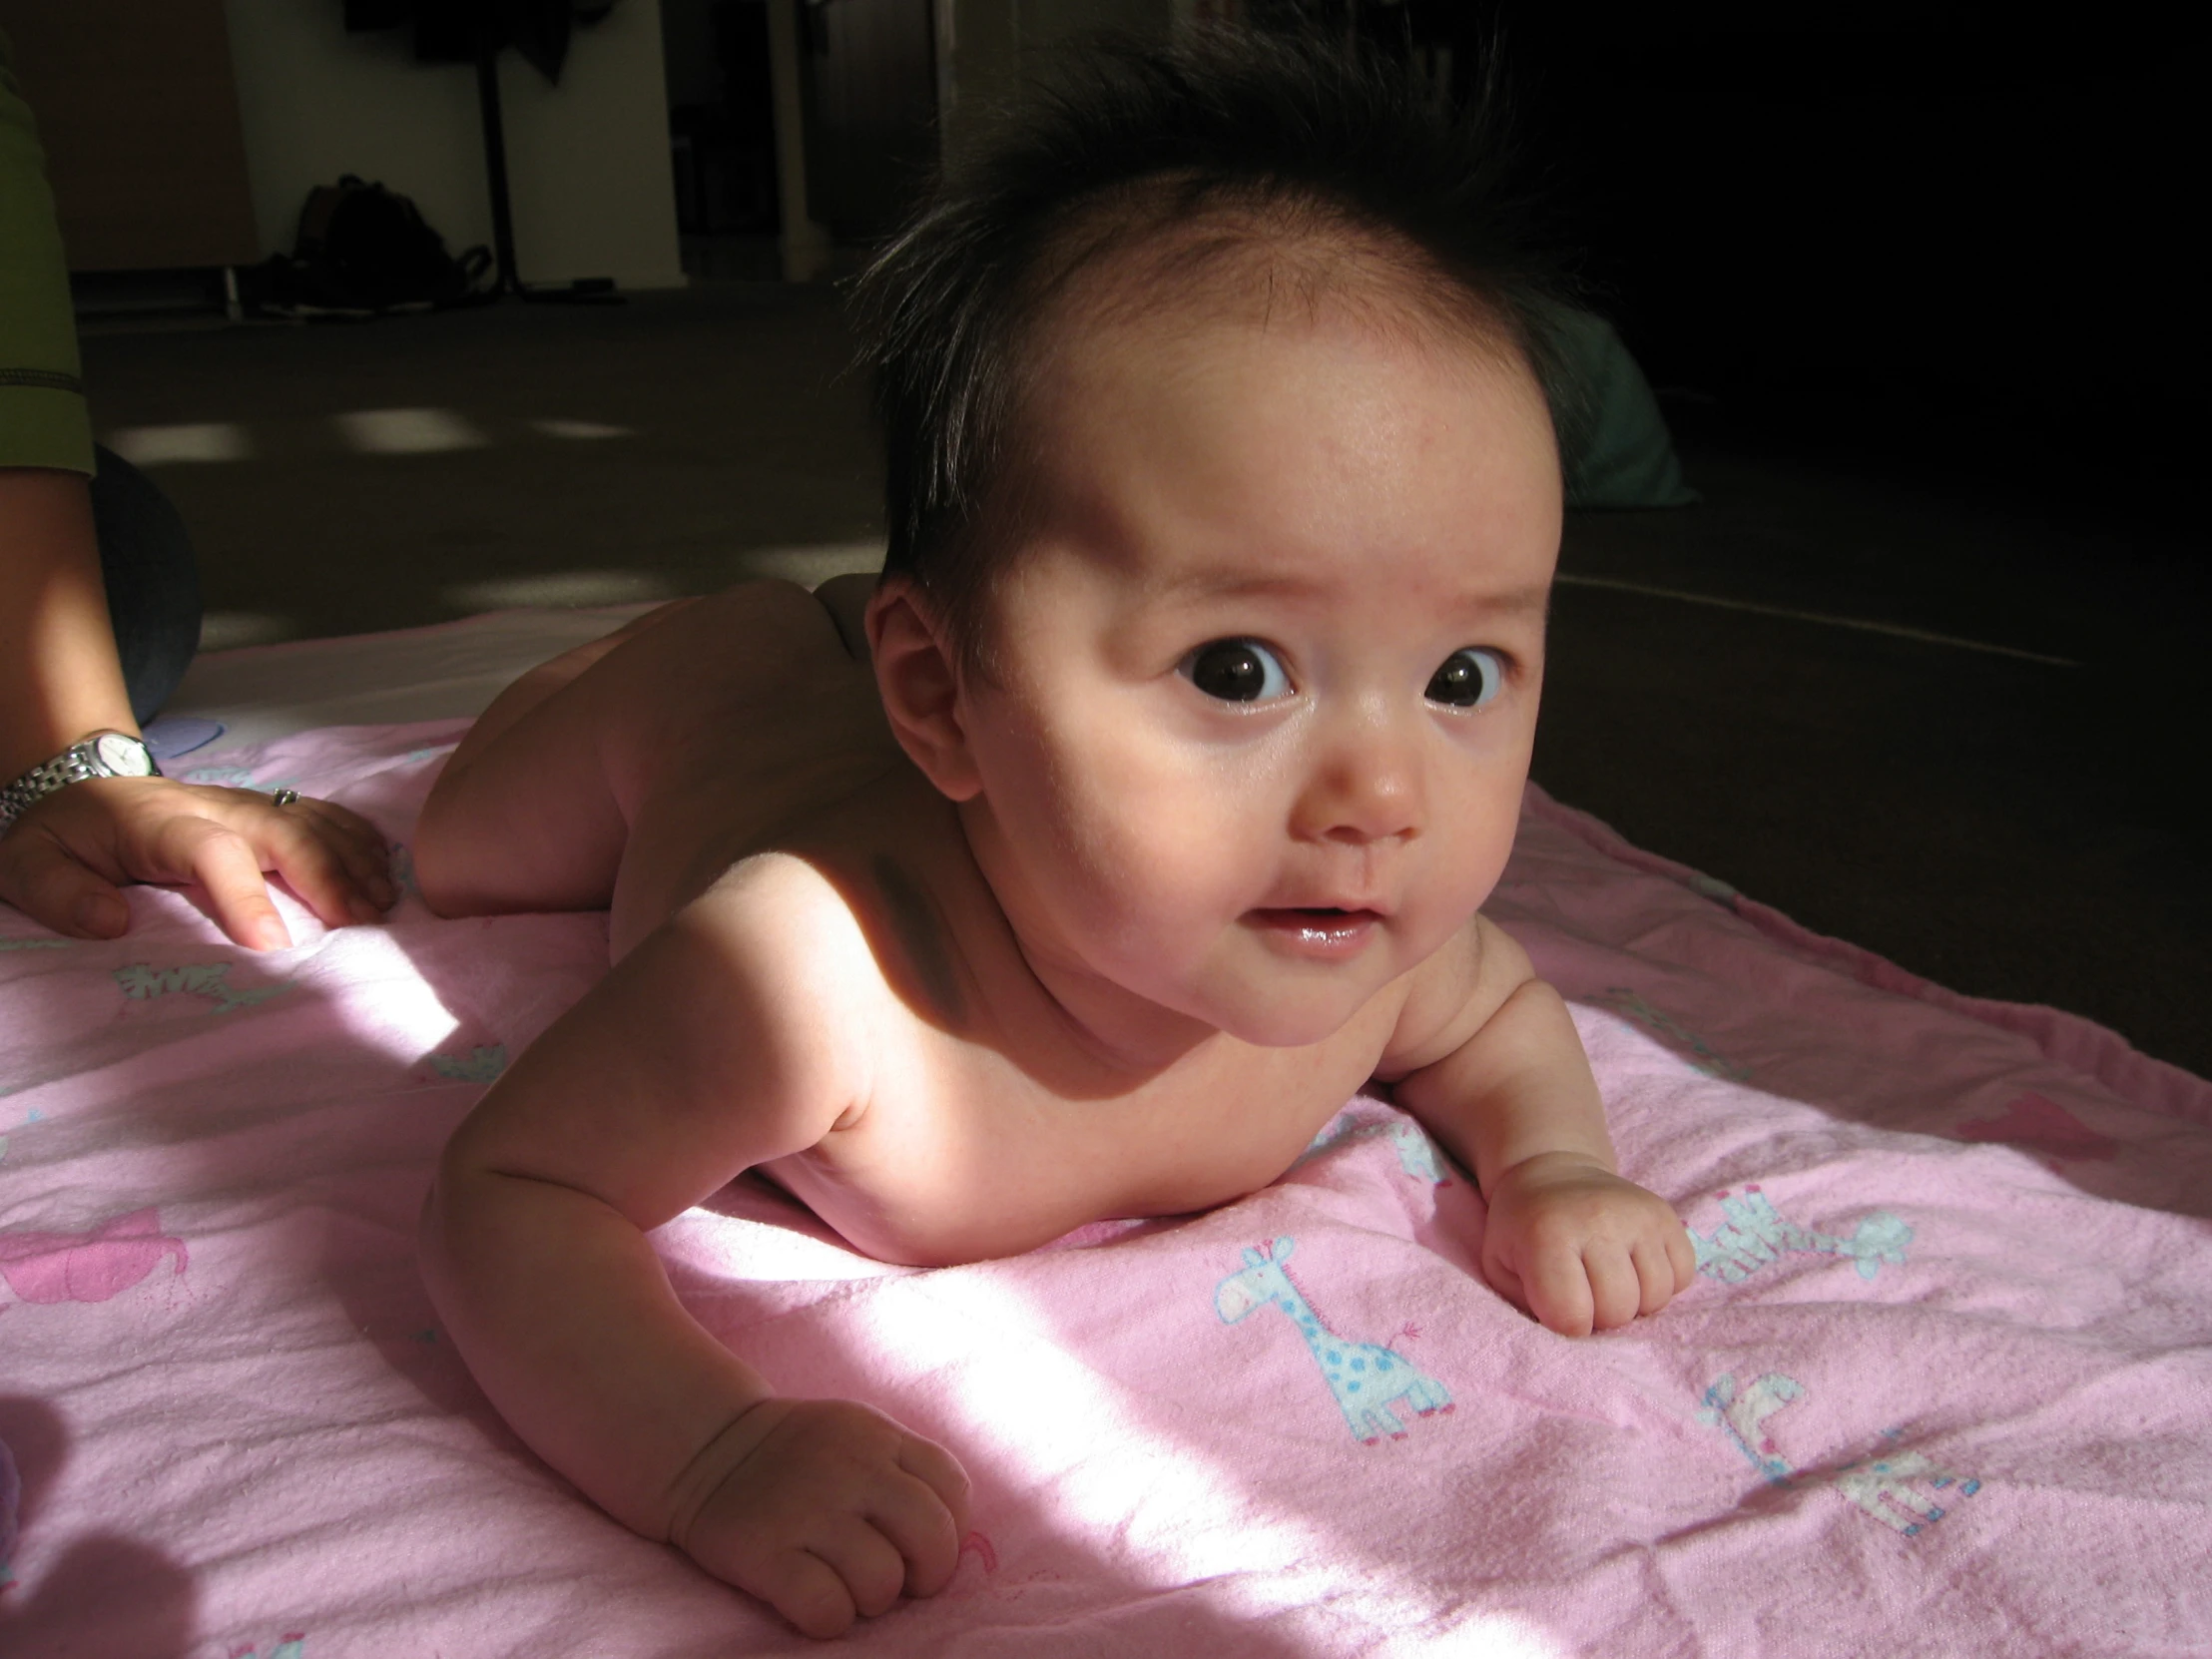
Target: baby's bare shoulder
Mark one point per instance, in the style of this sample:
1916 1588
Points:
1452 995
732 1035
785 917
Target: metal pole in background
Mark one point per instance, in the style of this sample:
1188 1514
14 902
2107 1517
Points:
495 161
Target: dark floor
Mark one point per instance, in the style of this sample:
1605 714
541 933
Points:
2001 823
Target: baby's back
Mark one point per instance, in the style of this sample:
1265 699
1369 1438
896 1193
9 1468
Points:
633 772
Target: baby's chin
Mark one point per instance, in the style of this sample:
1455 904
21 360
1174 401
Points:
1271 1016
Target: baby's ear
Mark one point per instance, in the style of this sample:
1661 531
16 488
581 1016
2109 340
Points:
917 678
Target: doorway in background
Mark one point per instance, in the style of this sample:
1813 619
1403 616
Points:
722 137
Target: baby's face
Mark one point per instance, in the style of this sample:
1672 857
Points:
1266 665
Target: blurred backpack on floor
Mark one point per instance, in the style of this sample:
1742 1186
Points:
363 250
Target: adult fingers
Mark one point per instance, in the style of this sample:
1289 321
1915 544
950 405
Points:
359 844
908 1511
311 853
229 866
40 879
1616 1294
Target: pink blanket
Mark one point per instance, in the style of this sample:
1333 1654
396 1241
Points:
1943 1384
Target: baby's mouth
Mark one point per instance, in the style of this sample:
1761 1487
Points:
1316 929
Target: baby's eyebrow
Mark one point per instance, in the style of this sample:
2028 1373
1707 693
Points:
1532 600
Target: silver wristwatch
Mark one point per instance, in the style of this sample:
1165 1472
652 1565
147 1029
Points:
102 755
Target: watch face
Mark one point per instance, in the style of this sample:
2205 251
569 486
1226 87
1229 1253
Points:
122 756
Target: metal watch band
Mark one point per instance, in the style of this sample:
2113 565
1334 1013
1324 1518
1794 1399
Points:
72 766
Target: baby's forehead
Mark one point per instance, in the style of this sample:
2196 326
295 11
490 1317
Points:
1282 269
1227 452
1212 335
1180 329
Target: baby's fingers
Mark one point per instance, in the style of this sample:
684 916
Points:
1616 1287
809 1591
1558 1291
1682 1255
1655 1273
941 1472
913 1514
868 1564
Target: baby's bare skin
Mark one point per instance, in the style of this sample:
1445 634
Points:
991 1138
966 958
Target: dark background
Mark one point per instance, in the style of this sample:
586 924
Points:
1973 231
1921 294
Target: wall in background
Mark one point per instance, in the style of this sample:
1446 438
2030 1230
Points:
139 120
587 160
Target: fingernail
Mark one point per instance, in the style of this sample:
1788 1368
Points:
273 935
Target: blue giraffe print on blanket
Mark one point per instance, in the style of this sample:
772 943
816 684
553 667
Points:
1755 1234
1894 1487
1417 1154
1365 1380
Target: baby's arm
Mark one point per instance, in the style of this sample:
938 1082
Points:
1502 1079
706 1051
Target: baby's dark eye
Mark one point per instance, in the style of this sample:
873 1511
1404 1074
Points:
1469 678
1236 670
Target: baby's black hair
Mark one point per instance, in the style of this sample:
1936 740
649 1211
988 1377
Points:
1253 140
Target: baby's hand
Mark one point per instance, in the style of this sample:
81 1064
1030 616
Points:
828 1512
1579 1247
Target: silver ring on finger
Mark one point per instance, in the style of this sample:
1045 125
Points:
283 798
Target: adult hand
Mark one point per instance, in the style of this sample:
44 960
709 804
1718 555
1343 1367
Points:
63 860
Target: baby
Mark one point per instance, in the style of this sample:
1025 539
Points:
1087 862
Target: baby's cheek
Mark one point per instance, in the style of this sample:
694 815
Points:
1475 845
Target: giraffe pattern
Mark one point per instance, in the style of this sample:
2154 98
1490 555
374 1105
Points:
144 983
1886 1487
1883 1487
1417 1154
1755 1235
1743 1412
1365 1380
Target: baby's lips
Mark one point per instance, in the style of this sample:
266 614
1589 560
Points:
1318 936
1349 905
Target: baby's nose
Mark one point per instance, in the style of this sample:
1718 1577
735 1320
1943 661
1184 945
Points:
1367 786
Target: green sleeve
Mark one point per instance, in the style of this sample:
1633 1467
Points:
43 420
